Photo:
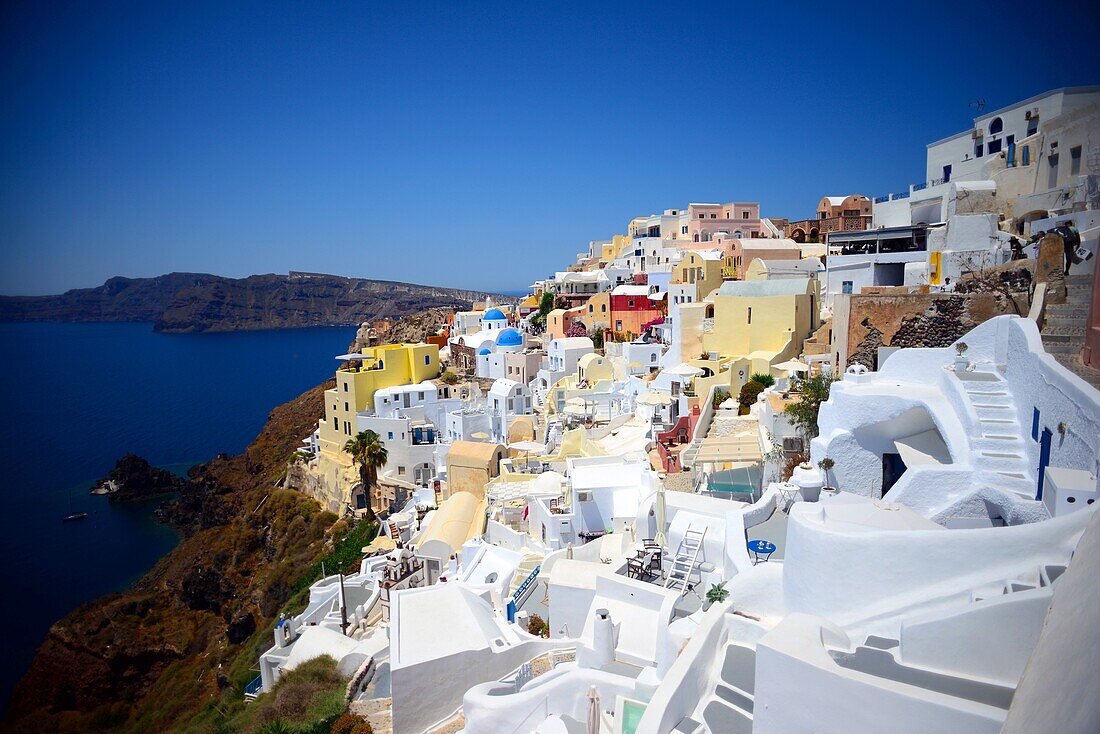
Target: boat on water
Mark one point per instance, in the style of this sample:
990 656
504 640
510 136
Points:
74 517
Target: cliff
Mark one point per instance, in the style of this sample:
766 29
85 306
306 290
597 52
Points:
195 302
181 641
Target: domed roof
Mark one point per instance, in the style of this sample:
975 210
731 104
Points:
510 338
547 483
494 314
484 350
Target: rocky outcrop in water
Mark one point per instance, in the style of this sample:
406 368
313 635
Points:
134 478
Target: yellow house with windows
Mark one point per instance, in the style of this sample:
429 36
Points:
755 324
703 269
373 369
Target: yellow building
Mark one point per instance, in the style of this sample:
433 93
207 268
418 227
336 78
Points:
375 368
703 269
755 324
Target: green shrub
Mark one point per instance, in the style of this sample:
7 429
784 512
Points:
748 395
449 378
720 396
351 724
764 379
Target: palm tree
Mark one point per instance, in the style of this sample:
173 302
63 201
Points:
369 452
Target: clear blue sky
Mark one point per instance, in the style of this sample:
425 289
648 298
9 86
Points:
464 146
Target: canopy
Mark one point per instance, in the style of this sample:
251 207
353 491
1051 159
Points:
791 365
684 369
527 446
480 435
351 356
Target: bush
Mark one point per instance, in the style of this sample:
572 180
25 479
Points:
537 626
351 724
449 378
720 396
748 395
763 379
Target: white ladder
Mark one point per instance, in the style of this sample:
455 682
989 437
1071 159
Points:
687 554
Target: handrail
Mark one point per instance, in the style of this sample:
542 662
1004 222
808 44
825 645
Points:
1038 310
521 593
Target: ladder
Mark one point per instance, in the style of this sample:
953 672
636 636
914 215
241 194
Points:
393 532
687 555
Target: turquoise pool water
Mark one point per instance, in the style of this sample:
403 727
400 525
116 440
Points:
731 481
632 714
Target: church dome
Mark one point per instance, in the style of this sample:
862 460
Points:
494 314
510 338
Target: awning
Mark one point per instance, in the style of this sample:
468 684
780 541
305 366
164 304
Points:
729 449
926 447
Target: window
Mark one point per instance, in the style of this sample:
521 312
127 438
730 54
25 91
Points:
1052 171
684 229
846 287
653 358
603 308
750 314
345 407
389 435
335 425
345 387
744 215
630 303
994 146
1075 161
1032 126
591 308
618 325
978 150
996 126
427 359
1025 155
400 471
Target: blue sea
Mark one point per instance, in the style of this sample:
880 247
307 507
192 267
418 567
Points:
74 398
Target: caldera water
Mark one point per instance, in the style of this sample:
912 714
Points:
76 397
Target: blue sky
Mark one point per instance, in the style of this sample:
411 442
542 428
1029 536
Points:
466 146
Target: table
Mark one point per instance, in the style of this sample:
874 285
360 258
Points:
760 548
789 494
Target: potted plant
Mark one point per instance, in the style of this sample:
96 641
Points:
962 364
825 465
716 594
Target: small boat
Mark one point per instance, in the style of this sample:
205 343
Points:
74 517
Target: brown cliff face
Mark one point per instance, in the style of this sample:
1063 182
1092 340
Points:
195 302
151 658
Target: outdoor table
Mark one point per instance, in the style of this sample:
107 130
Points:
760 548
789 492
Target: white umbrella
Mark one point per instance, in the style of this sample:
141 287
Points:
569 551
791 365
527 447
593 711
686 370
661 512
480 435
655 398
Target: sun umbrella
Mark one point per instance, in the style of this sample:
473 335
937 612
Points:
661 512
527 447
655 398
791 365
593 711
480 435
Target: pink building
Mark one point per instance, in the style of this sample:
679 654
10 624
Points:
740 220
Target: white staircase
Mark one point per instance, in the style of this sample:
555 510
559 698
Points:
1000 454
529 563
687 556
727 708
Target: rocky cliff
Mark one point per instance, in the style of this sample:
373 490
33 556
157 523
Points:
180 642
194 302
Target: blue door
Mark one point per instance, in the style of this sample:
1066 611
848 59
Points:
1044 459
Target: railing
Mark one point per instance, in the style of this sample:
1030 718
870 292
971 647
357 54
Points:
880 199
522 592
254 687
920 186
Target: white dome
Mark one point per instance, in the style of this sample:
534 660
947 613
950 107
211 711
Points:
547 483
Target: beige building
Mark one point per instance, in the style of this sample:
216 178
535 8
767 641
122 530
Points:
470 466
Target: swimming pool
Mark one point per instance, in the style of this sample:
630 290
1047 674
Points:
732 482
632 714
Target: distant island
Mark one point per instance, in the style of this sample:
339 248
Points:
198 302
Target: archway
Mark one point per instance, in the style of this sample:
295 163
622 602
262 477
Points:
798 234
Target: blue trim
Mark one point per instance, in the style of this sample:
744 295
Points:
254 686
1035 424
1044 460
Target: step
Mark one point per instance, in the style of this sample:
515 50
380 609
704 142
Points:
1068 311
1065 335
734 696
1059 348
1085 278
1050 573
1001 455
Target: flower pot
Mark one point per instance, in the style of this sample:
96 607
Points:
827 492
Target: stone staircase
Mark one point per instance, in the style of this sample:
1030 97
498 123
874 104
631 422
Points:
1064 327
727 708
1002 458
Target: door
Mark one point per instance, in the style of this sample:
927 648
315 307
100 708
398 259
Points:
1044 459
946 174
892 469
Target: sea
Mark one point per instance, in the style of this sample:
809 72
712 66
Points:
76 397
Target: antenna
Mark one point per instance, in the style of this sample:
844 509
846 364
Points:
978 104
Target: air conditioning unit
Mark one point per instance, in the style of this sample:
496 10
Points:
584 496
1027 115
976 133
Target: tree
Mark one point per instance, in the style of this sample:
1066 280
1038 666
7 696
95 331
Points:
803 411
764 379
449 378
369 452
597 338
749 393
825 465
